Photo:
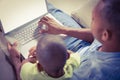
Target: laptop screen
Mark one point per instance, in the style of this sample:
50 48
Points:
15 13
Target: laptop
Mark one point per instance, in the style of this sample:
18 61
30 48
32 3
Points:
19 22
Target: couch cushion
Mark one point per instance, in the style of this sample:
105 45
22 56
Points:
7 72
83 15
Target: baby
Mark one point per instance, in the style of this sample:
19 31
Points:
53 61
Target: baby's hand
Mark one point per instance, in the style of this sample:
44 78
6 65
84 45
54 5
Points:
32 52
32 55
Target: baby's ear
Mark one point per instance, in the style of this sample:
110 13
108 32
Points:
68 53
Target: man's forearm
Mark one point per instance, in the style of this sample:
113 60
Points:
84 34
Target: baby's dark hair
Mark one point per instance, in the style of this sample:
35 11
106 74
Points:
111 13
52 46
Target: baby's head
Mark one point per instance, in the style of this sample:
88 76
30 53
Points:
51 53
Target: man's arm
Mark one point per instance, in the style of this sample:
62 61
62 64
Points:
55 28
84 34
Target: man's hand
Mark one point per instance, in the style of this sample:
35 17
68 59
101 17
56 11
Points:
52 25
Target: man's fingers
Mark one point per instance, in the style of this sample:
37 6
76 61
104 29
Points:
43 26
46 18
44 22
43 31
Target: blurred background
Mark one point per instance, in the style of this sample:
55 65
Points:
68 5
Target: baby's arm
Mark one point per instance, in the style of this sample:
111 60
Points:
31 57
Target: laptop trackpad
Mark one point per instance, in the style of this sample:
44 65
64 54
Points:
25 48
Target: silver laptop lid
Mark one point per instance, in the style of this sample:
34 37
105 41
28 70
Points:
14 13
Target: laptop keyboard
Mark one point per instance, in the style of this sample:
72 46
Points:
28 33
31 31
